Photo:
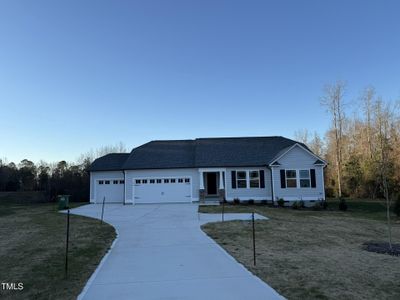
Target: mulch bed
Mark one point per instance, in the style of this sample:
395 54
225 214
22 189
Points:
382 248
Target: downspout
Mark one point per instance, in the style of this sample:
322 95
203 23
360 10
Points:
323 181
272 185
124 185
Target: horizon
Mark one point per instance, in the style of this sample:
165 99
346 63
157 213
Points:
75 76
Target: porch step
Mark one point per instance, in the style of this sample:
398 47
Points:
209 202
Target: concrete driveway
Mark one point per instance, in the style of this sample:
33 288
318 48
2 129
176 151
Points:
161 253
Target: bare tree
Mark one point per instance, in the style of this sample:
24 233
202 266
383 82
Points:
383 114
367 98
316 144
302 136
91 155
333 101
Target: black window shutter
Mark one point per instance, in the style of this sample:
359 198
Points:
283 179
233 179
312 174
262 179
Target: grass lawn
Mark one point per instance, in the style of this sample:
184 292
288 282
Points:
32 250
315 254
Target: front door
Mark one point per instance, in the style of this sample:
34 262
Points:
212 183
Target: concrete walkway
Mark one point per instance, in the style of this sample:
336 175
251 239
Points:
161 253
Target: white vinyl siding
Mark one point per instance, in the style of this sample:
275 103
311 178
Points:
248 193
298 159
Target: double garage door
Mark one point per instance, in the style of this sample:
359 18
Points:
162 190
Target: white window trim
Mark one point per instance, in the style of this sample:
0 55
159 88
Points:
248 179
309 178
291 178
258 177
298 178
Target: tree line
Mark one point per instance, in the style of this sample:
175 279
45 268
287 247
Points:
362 147
53 178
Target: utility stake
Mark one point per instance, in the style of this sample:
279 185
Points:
254 239
102 210
66 247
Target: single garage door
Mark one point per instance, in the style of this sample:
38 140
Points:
112 190
162 190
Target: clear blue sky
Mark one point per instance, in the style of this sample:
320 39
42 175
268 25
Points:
76 75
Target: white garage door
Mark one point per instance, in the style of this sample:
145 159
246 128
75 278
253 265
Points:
162 190
112 190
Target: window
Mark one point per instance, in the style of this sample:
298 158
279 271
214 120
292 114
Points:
107 182
122 182
254 179
305 181
115 181
137 181
187 180
166 180
144 181
291 181
173 180
241 179
152 181
158 180
101 181
180 180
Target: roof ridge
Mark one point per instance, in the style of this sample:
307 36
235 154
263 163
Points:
242 137
182 140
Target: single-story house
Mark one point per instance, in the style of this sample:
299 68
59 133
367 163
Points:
243 168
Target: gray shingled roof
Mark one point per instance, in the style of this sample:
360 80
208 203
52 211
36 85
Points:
109 162
162 155
198 153
237 152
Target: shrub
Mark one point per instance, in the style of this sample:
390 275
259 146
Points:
342 204
236 201
396 207
301 204
324 204
251 201
295 205
281 202
317 205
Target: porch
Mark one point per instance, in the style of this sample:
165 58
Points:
212 186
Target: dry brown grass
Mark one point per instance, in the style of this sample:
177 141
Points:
32 247
313 254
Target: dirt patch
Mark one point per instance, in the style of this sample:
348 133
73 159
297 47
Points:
382 248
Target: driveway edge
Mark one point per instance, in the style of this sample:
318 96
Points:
94 274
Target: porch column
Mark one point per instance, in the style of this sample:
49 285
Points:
201 180
221 180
